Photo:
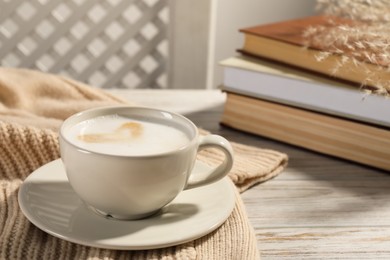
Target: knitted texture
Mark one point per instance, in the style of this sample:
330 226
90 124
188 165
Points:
23 149
29 139
251 165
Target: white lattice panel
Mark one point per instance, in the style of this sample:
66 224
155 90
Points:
106 43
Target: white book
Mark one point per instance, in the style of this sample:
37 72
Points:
286 85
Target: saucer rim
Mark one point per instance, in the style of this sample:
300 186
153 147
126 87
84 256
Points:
229 207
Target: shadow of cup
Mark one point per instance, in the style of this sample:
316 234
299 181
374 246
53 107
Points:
57 205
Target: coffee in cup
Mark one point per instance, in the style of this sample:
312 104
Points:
119 135
129 162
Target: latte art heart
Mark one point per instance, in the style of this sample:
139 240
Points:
126 132
119 135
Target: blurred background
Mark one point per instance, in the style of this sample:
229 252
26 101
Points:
133 44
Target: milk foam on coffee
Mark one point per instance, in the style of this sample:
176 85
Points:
118 135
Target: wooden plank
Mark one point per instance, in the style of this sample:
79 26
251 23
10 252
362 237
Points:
324 243
315 203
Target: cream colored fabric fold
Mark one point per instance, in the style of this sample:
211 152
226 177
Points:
251 165
32 107
44 100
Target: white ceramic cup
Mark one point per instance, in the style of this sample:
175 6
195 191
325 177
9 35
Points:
134 187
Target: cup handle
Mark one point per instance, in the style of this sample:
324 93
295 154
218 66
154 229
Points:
217 173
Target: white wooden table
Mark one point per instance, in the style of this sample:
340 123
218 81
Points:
319 208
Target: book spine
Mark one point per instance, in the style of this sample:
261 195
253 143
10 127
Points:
321 97
346 139
307 58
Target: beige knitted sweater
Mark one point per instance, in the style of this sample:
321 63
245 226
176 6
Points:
32 107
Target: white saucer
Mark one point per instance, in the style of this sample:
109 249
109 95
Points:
49 202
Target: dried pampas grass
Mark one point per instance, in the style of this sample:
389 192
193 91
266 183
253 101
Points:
368 39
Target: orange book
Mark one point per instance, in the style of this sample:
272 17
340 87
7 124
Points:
284 42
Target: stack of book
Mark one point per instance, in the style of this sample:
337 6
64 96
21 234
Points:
278 89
